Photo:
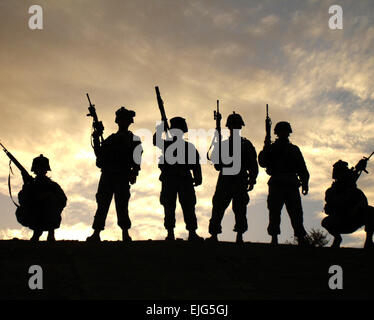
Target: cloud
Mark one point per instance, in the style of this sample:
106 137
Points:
244 53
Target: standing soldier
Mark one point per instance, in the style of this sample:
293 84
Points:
346 205
286 166
179 159
233 187
119 158
41 201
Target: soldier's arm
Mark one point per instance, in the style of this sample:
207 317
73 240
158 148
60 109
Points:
302 171
137 156
158 141
327 207
60 194
252 165
96 143
264 157
215 157
196 170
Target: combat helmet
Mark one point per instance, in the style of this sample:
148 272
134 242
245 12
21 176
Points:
282 126
340 170
40 162
234 118
123 113
179 123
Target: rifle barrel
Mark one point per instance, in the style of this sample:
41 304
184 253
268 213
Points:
88 97
3 147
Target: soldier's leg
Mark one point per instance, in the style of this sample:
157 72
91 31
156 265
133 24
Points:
168 198
187 199
51 235
221 200
330 224
239 207
121 199
36 235
369 227
104 197
275 204
295 211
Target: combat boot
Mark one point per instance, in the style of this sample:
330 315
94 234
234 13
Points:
212 239
125 236
170 236
274 240
51 236
95 237
303 242
369 240
239 238
193 237
337 241
36 235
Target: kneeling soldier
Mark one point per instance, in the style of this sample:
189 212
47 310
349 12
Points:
41 201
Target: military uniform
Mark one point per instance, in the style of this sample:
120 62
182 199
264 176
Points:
176 177
119 157
346 205
234 187
285 164
41 203
115 157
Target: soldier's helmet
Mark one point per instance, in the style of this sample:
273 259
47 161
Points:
234 120
123 113
340 170
282 126
40 162
178 123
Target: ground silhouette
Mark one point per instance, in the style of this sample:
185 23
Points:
180 270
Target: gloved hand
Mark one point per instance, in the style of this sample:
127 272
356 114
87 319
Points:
304 189
132 177
361 165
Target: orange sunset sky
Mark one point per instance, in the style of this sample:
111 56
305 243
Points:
244 53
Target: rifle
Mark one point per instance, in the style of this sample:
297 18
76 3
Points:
97 125
267 128
25 175
27 178
217 117
361 165
162 110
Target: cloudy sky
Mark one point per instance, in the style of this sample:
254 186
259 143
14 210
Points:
244 53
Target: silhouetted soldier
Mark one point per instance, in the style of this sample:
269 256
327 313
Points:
285 164
347 206
179 158
233 187
41 201
119 158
